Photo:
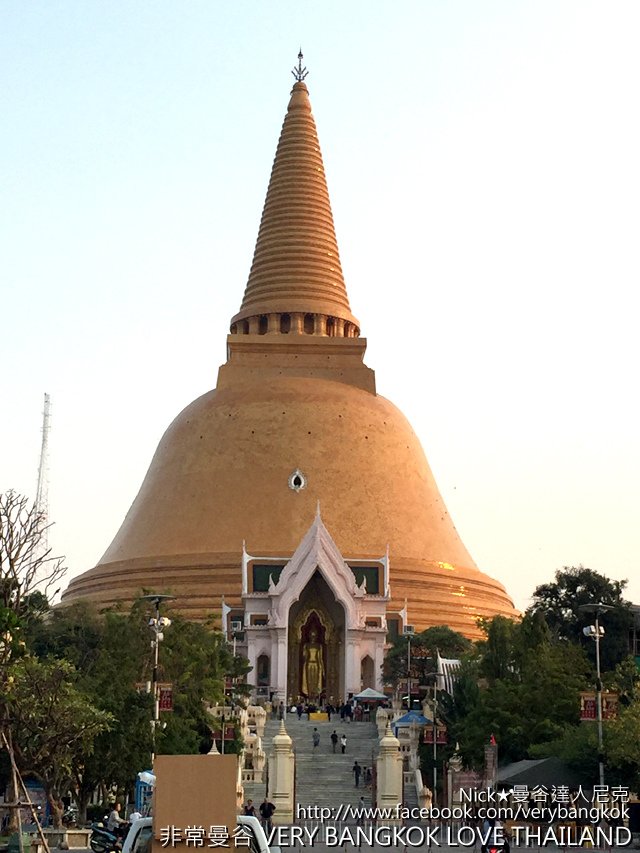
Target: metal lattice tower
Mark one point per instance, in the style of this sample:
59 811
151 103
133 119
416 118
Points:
42 491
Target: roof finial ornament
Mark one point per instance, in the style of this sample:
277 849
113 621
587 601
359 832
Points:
300 73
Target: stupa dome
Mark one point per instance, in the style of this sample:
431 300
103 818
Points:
294 421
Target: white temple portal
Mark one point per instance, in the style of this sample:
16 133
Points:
314 626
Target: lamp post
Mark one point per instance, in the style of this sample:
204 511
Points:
596 632
409 631
435 739
157 624
409 671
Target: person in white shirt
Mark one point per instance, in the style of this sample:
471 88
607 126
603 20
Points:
114 821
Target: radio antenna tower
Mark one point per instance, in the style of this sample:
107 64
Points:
42 491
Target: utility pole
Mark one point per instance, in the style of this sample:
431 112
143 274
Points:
435 739
409 631
596 632
42 488
157 624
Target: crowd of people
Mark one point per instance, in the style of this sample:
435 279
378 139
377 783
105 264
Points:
348 711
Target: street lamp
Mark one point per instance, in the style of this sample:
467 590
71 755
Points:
157 624
596 632
434 727
409 631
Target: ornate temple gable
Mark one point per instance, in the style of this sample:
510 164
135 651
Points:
317 551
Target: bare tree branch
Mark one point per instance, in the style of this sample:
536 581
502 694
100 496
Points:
26 565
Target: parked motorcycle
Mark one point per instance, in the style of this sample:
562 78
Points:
104 841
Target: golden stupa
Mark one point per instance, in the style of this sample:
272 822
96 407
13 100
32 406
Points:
294 422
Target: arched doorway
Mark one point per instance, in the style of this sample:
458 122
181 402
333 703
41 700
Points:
263 675
315 665
367 674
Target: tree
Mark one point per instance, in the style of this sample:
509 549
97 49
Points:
28 570
560 604
622 745
113 659
53 724
424 653
524 689
109 652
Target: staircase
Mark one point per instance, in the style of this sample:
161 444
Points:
323 778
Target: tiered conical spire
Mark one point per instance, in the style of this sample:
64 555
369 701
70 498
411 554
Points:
296 283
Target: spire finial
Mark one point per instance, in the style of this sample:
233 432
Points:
300 73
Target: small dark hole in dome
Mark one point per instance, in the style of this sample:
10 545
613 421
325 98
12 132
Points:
309 433
201 436
366 436
253 432
297 482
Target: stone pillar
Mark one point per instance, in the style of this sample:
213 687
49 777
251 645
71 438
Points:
279 663
273 327
254 325
259 759
320 324
281 777
383 718
378 661
389 765
297 323
339 327
260 716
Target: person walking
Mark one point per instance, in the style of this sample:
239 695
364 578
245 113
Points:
266 813
343 744
334 740
357 772
316 739
250 809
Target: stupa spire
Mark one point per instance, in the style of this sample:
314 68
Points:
296 283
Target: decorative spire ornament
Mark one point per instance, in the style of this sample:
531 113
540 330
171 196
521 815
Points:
299 73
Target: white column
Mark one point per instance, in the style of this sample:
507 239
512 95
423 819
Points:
378 661
281 777
353 662
389 766
252 676
279 661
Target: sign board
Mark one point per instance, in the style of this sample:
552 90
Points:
165 697
229 732
193 790
589 706
609 706
441 735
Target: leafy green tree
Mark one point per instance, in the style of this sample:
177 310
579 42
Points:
424 653
27 571
560 604
112 653
526 690
622 745
577 745
53 724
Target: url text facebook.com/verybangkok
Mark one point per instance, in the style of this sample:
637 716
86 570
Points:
558 826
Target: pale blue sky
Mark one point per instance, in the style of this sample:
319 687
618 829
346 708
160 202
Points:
482 160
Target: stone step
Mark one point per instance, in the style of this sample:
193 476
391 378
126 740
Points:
324 778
